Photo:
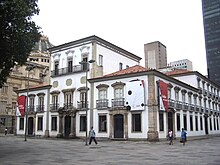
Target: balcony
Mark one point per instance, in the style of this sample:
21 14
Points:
178 105
54 107
118 102
31 108
102 104
185 106
209 94
67 70
205 92
81 105
202 109
206 110
171 103
191 107
200 90
68 106
197 108
40 108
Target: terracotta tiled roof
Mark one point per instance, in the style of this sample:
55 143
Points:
133 69
176 71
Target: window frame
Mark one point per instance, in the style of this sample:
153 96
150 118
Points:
53 123
136 126
40 123
82 123
101 122
21 123
161 121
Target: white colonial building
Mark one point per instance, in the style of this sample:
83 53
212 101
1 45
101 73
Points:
111 118
124 100
69 63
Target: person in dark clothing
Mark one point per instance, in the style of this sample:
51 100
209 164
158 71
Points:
92 136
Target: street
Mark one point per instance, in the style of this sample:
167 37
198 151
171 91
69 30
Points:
14 150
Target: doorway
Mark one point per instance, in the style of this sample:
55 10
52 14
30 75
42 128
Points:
118 126
30 126
170 121
206 125
67 126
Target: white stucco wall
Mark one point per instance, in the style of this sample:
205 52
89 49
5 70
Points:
110 96
188 79
111 60
36 132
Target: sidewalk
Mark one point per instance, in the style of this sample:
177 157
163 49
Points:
43 151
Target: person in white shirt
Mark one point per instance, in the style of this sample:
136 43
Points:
170 135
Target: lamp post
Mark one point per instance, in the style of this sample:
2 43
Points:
86 97
28 68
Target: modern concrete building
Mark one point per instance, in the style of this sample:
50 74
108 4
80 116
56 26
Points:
211 19
181 64
155 55
178 65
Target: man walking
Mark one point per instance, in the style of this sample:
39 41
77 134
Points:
92 136
183 136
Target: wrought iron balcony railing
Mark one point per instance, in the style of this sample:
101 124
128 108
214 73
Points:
54 107
81 105
178 104
40 108
67 70
171 103
118 102
103 103
191 107
197 108
31 108
202 109
68 106
185 106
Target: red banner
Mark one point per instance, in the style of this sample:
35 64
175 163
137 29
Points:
164 94
21 104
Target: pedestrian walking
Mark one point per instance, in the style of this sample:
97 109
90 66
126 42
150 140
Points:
6 131
92 136
170 135
183 136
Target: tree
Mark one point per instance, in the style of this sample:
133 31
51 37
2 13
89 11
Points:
18 34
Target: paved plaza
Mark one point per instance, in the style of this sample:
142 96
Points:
14 150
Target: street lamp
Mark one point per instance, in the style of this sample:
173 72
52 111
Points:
86 97
28 68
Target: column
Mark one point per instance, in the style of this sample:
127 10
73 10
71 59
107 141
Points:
73 125
152 134
126 125
111 134
60 126
34 123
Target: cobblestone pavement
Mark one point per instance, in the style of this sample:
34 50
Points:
39 151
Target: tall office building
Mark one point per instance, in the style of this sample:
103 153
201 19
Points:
211 19
155 55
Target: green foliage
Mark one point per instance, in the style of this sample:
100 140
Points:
18 33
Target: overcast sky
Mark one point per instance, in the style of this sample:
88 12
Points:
129 24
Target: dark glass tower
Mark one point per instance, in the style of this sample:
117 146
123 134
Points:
211 19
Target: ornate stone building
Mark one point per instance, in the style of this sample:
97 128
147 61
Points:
20 78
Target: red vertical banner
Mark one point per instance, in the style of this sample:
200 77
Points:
21 105
164 94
